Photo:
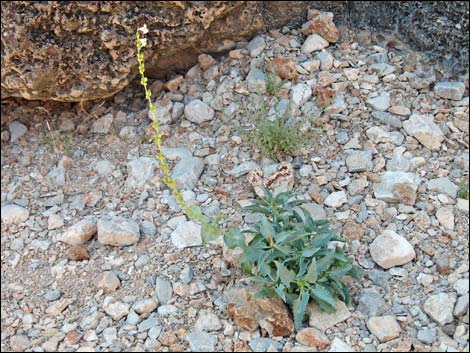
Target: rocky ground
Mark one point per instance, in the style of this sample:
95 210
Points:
97 256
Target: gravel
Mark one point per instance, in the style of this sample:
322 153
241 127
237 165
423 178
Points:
373 169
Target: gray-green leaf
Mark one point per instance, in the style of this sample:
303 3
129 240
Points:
286 276
322 295
299 307
267 229
234 239
312 273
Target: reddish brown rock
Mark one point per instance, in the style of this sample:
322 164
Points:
57 307
174 83
321 23
237 54
325 78
284 68
167 338
181 289
353 231
77 253
312 337
405 193
283 41
205 61
324 96
176 348
156 87
241 347
72 337
269 313
19 343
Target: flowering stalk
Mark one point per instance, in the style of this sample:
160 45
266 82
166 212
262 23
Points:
210 231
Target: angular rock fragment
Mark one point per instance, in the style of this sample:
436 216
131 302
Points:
269 313
390 249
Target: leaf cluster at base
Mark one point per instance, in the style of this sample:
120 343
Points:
292 256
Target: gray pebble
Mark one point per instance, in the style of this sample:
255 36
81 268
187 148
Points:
52 295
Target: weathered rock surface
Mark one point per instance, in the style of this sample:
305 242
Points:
256 46
359 161
264 344
80 232
187 172
17 130
380 103
444 185
85 51
201 341
424 130
145 305
107 281
321 23
164 290
13 214
445 216
187 234
385 328
323 320
99 57
208 322
450 90
198 112
390 249
378 135
117 231
314 42
312 337
269 313
140 170
338 345
440 307
20 343
372 303
336 199
397 186
116 309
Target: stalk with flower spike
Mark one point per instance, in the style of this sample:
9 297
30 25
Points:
209 231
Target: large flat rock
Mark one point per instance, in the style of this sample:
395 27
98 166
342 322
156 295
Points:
77 51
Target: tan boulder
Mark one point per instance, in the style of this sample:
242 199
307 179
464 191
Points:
79 50
269 313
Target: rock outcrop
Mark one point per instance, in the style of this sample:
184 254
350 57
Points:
78 51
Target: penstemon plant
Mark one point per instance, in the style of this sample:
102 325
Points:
289 254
